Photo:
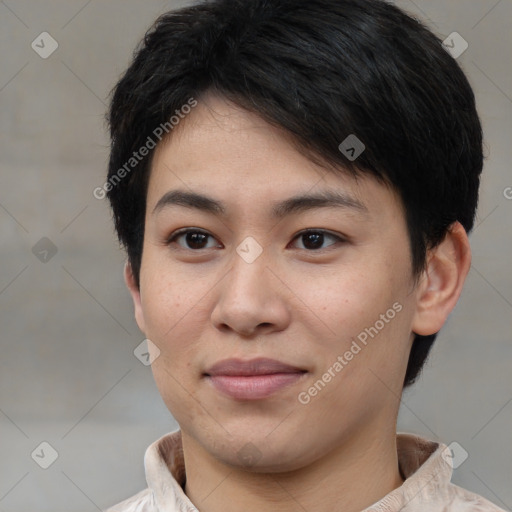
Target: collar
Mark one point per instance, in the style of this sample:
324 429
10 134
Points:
423 464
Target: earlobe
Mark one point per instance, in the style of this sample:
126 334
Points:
441 283
129 279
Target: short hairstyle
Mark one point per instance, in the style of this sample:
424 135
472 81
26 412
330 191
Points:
321 70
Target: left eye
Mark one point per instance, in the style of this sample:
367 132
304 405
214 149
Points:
313 240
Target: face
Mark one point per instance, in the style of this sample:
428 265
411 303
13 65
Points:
280 296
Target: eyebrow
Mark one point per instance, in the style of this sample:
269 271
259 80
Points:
295 204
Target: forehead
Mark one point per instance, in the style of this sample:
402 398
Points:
228 152
219 134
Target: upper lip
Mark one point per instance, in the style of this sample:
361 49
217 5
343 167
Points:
260 366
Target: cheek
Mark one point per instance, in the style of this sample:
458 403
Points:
172 377
174 322
347 301
368 306
173 302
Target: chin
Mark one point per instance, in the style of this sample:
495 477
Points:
262 453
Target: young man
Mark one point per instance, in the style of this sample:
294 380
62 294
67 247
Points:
294 181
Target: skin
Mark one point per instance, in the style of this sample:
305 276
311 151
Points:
299 305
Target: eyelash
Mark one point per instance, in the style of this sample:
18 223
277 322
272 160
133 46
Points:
177 234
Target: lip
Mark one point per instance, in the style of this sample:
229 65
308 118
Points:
254 379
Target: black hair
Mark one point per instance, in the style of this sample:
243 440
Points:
322 70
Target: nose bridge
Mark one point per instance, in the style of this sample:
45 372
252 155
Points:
248 274
249 297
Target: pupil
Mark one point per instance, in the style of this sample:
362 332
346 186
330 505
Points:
196 240
316 238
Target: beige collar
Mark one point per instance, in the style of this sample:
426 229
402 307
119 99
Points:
421 461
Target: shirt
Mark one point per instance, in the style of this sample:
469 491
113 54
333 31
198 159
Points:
425 465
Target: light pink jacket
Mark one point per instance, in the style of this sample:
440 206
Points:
425 465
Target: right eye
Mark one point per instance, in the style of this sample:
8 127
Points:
193 239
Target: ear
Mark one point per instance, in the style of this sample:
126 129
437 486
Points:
129 279
441 283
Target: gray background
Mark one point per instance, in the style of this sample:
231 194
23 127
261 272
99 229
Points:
68 375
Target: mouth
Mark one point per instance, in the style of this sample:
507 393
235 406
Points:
255 379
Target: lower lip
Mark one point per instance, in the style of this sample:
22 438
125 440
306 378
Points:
253 387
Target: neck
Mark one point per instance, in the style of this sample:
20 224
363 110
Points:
351 477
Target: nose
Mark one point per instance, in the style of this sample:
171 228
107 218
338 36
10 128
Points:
251 299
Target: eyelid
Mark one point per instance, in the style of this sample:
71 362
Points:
323 231
183 231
